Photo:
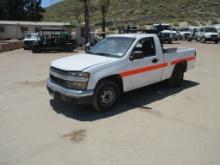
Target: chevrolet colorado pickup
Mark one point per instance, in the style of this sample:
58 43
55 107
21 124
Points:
117 64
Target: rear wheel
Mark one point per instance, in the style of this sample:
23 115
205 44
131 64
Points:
216 41
177 76
106 95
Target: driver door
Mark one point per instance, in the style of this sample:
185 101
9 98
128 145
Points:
145 66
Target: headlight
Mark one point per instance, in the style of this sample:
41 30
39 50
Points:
79 74
77 85
72 79
79 80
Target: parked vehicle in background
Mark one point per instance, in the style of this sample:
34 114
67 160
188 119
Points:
117 64
218 34
164 32
185 34
175 35
217 26
208 34
196 33
29 40
193 30
53 39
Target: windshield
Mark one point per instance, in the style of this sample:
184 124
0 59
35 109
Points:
162 27
31 36
184 29
112 46
211 30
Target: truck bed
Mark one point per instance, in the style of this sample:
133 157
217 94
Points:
176 50
172 56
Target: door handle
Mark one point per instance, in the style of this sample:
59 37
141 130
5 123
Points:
155 60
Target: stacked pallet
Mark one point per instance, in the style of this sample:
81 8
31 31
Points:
8 45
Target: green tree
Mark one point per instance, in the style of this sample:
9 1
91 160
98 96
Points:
30 10
33 9
12 9
104 4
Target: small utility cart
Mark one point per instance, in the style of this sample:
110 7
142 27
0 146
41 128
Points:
54 39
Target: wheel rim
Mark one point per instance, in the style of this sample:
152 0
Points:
107 97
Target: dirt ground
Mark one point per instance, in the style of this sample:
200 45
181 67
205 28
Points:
156 125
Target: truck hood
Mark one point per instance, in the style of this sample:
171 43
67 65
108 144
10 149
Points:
185 32
30 39
166 31
173 32
80 62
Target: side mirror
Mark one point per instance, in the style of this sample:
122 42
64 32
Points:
136 54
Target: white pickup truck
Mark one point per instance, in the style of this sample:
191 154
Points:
117 64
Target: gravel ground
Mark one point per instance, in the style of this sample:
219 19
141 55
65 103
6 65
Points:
155 125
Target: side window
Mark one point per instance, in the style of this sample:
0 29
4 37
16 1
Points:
145 47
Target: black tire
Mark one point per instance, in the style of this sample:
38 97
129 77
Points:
177 76
36 49
68 47
216 41
106 95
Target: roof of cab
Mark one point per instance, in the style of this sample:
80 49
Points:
132 35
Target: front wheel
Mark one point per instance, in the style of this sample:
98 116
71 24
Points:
177 76
106 95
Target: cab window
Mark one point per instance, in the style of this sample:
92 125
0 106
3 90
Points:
145 47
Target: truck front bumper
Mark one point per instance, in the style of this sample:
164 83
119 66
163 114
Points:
75 96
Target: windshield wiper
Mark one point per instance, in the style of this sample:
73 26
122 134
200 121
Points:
102 54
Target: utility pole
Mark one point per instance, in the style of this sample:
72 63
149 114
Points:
87 20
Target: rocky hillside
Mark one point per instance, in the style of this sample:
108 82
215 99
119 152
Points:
139 11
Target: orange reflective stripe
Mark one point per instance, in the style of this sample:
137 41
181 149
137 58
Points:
183 59
154 67
141 70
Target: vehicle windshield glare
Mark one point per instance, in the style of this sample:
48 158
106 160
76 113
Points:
211 30
112 46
